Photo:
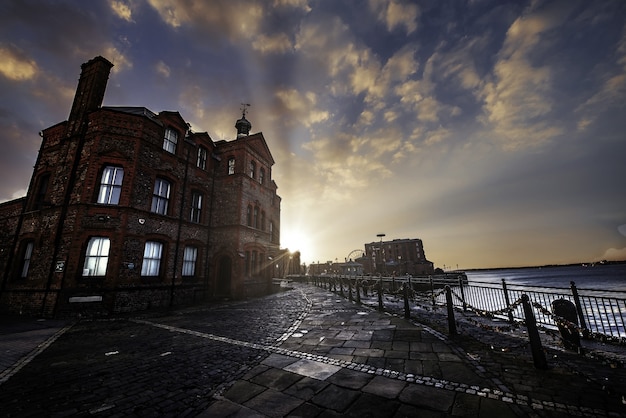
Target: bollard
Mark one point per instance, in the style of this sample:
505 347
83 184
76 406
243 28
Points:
539 357
358 296
450 306
507 301
407 309
380 295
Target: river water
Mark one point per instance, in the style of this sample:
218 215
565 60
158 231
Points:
598 277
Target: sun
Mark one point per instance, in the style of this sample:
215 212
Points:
296 240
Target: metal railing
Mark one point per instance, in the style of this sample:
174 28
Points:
600 314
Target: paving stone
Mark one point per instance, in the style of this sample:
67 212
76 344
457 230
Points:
494 408
242 391
384 387
335 398
273 403
306 388
429 397
306 410
350 379
373 406
278 361
276 379
312 369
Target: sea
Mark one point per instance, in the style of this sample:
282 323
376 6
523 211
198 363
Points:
601 277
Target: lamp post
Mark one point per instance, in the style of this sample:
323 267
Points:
380 253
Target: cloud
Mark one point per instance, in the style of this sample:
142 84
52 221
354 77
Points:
301 107
121 9
614 254
278 43
518 96
396 13
16 65
162 69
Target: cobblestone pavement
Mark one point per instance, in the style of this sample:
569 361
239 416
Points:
303 352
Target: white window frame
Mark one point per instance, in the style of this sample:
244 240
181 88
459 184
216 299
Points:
190 256
97 257
111 185
152 255
161 196
170 140
231 166
202 157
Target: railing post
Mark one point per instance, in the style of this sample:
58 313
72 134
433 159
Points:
450 306
380 294
579 309
349 290
407 309
506 300
539 357
432 289
462 293
358 295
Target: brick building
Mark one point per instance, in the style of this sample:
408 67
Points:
399 256
128 209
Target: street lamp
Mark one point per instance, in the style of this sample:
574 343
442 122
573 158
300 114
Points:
382 266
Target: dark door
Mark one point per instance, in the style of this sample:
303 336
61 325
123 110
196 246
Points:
224 272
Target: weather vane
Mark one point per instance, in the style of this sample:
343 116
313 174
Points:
244 108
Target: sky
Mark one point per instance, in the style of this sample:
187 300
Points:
494 131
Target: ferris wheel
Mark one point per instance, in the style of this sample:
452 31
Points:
356 254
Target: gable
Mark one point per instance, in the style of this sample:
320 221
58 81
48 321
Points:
259 146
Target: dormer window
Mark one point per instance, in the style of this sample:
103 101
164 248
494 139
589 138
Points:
170 140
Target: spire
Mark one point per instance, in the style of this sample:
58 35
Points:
243 125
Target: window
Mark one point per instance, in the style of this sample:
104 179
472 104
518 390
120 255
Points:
256 217
190 256
170 140
231 166
253 268
272 232
252 169
96 257
152 253
262 228
42 189
249 216
261 175
196 207
202 153
161 196
111 185
247 264
27 254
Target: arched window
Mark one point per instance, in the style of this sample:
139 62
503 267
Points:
256 217
97 257
190 257
196 207
26 254
249 216
261 175
262 221
41 191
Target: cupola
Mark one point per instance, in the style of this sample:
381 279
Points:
243 125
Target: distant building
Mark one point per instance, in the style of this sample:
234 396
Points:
128 209
399 257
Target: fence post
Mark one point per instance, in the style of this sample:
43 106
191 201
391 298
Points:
380 294
507 301
539 357
462 293
579 309
407 309
358 295
451 322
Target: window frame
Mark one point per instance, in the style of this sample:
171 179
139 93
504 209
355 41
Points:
202 157
152 258
170 140
110 191
160 201
231 166
93 261
189 264
196 207
26 256
252 169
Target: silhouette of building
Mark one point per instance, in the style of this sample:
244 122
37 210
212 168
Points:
399 257
128 209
